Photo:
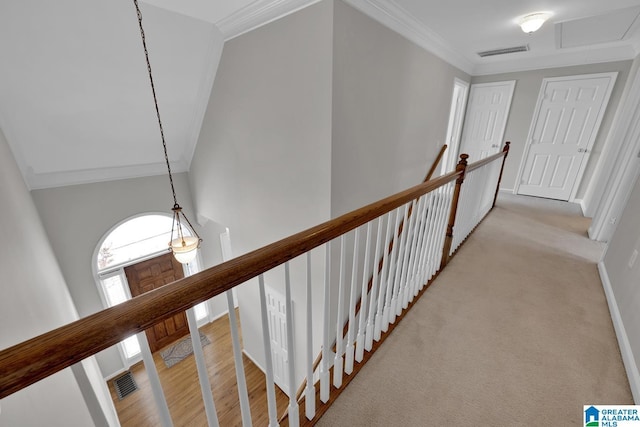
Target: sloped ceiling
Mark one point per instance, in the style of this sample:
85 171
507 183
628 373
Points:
75 101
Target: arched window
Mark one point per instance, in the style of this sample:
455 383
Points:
131 241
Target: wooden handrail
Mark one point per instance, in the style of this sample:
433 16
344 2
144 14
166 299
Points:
435 163
30 361
480 163
318 358
462 168
505 150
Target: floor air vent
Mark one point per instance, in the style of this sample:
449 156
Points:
125 385
504 51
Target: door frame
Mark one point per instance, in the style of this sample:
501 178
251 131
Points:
503 126
457 114
583 166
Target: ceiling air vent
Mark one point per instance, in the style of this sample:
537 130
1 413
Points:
504 51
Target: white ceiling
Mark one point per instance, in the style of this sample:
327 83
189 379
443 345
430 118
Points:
75 101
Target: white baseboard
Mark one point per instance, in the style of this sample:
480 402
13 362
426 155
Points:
623 340
254 361
580 202
507 190
116 374
284 389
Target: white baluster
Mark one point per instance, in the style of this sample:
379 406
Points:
374 290
348 368
203 375
428 238
310 390
413 282
387 313
409 254
237 356
430 230
426 233
363 298
326 325
154 381
434 255
338 360
266 339
294 417
447 201
386 259
396 304
442 217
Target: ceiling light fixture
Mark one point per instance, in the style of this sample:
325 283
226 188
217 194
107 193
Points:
184 240
533 21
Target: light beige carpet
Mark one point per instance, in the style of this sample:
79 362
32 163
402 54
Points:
515 332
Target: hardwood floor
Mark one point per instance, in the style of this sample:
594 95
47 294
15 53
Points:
182 389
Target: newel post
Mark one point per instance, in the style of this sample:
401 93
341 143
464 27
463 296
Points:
460 167
504 160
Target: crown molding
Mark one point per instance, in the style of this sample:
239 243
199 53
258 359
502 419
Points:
257 14
37 181
394 17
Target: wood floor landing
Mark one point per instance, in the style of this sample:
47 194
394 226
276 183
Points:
182 389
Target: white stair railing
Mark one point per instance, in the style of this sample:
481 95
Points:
399 244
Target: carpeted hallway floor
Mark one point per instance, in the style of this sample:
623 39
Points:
515 332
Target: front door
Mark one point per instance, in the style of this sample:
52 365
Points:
148 275
563 130
487 113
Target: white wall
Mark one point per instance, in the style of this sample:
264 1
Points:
625 282
76 218
391 102
525 96
33 299
311 116
262 163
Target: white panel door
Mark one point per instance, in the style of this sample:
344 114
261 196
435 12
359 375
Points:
277 314
564 127
487 114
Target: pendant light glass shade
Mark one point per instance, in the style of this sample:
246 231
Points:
184 247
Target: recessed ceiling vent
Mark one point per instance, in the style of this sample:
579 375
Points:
504 51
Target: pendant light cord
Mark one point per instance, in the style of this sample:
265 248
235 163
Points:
155 101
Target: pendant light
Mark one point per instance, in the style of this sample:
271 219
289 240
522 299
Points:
185 241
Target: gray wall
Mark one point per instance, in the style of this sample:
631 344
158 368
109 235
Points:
311 116
77 217
528 85
625 280
262 163
33 299
391 102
